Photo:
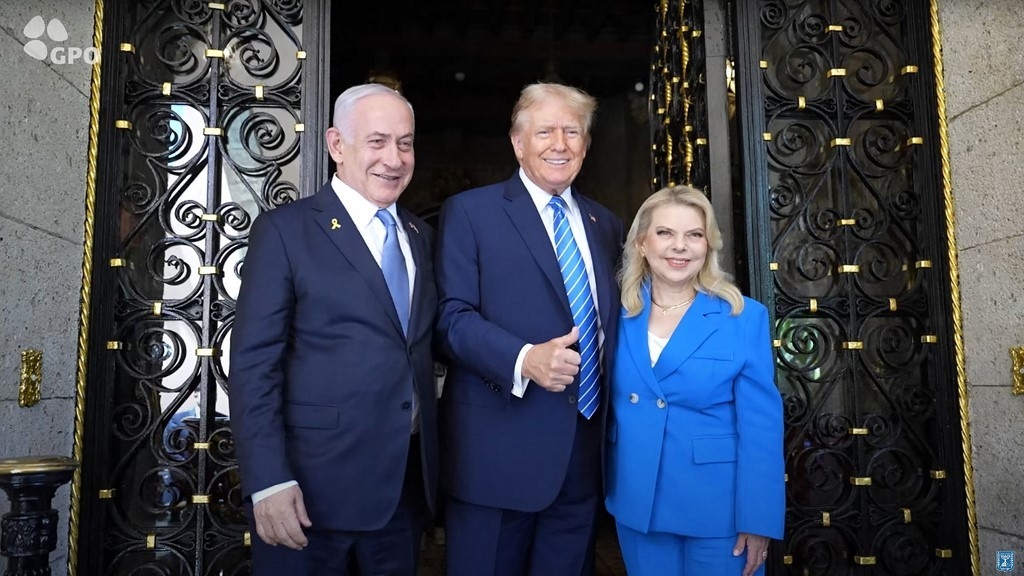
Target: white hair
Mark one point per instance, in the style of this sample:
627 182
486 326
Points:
346 103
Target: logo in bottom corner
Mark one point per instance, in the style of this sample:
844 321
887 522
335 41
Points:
1004 560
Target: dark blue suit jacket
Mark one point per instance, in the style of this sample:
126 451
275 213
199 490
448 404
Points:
322 378
695 441
500 288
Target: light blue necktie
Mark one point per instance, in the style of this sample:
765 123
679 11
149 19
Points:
584 314
392 263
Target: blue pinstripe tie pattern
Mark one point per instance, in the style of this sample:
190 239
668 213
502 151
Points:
584 314
392 263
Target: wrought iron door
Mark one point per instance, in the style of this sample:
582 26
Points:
201 125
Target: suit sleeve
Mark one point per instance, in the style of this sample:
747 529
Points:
266 303
466 336
760 474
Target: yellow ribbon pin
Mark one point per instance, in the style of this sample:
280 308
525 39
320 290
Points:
334 224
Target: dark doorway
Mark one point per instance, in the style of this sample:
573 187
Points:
462 64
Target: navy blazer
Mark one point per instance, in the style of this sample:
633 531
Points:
695 442
322 379
500 288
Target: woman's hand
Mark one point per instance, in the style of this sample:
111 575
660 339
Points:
757 551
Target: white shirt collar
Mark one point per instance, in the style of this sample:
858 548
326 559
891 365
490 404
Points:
360 210
541 198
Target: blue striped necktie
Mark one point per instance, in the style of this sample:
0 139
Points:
392 263
584 314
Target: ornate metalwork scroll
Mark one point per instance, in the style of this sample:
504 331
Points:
678 106
202 130
843 163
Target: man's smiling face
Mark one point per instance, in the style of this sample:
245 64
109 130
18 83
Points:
375 154
551 144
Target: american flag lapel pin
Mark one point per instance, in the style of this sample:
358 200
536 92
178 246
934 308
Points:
593 219
414 228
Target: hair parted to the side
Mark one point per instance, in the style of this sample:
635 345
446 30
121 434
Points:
345 104
635 272
584 104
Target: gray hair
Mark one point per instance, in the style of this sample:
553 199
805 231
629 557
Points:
580 102
346 103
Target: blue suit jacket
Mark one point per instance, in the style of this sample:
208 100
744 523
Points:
695 442
500 288
322 378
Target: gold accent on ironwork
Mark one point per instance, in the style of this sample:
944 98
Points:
767 136
937 474
201 445
246 539
777 343
787 559
847 222
85 295
834 28
849 269
852 345
697 33
158 308
123 124
840 142
763 64
892 304
908 69
954 284
150 541
859 431
200 499
835 72
701 141
216 6
929 339
812 304
207 217
213 131
118 262
1017 369
865 560
258 89
22 465
923 264
773 266
826 519
30 387
108 494
114 345
915 140
209 270
906 515
127 47
879 105
300 127
166 89
943 552
300 55
212 53
207 352
801 103
785 477
860 480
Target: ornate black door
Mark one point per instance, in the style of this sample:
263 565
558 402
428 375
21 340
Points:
201 125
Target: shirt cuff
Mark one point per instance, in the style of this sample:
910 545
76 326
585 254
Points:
261 494
518 382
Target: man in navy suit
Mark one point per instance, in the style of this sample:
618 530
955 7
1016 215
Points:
523 399
332 393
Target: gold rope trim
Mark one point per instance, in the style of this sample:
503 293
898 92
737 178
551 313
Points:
85 299
954 285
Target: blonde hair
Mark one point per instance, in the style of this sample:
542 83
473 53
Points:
582 103
635 272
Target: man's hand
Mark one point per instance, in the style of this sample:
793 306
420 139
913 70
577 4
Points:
552 365
280 518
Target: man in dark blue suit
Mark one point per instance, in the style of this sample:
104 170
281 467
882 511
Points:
332 392
528 311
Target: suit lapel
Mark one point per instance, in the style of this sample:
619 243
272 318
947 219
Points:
330 214
603 276
635 333
695 327
523 213
417 245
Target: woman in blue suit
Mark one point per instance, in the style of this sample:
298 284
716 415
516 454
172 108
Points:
695 469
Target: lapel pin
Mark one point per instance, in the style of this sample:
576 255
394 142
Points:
334 224
414 228
592 219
